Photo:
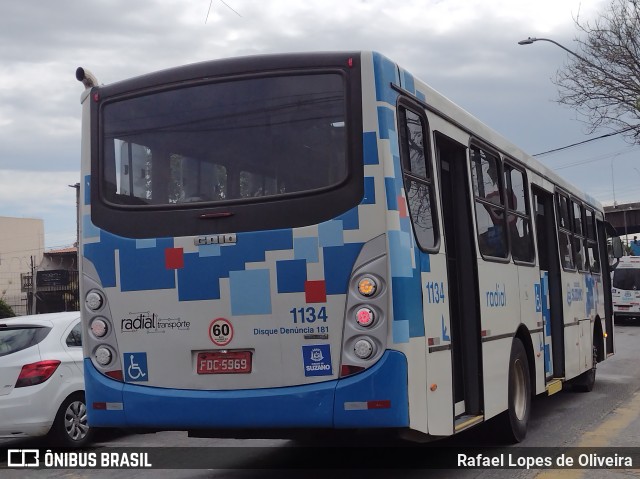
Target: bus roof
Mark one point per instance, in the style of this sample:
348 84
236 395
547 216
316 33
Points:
444 106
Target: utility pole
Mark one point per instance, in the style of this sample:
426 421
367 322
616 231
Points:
77 187
33 286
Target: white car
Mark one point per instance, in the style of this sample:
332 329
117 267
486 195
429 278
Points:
41 379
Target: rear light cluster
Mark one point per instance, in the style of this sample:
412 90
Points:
36 373
102 343
366 316
365 330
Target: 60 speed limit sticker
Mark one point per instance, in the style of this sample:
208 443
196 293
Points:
220 331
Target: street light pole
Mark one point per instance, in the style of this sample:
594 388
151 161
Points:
530 40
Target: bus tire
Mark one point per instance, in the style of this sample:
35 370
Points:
585 382
516 418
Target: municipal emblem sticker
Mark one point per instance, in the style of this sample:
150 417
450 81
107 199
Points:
317 360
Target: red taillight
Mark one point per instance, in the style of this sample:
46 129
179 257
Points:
116 374
36 373
365 316
348 370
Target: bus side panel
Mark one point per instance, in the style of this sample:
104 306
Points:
578 336
438 336
407 325
531 313
500 313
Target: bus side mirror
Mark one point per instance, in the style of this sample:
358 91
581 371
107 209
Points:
617 249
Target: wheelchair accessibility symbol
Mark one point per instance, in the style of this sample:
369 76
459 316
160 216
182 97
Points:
135 366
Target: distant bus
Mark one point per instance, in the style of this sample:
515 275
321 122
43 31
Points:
626 288
281 244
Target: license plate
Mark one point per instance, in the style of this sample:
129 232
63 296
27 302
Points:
224 362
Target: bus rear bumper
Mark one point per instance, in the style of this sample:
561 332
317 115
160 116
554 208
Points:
375 398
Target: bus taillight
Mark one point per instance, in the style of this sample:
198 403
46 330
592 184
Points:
365 316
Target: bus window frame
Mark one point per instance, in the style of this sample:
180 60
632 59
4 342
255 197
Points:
565 230
588 240
581 238
509 163
474 142
429 180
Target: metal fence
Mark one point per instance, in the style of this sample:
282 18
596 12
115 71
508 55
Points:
55 291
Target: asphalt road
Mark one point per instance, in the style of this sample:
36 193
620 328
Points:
608 416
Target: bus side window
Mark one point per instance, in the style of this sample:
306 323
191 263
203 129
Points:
490 208
518 217
578 239
591 242
414 151
564 232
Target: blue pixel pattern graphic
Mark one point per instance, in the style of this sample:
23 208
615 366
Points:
156 264
543 291
406 260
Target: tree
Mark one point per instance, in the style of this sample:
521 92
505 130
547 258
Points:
5 310
602 82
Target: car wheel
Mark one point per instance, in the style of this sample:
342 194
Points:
70 427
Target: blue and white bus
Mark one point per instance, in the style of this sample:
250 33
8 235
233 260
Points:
321 241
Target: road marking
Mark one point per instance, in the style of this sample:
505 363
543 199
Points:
600 437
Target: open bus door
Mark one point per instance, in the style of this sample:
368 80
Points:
462 274
550 287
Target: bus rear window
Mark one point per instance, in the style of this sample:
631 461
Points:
232 141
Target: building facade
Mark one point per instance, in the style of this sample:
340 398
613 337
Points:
21 251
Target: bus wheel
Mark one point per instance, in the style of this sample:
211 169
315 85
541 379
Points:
585 382
516 418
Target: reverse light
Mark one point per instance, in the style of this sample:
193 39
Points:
103 355
36 373
99 327
363 348
94 300
365 316
367 286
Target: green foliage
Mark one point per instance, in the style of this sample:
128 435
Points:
5 310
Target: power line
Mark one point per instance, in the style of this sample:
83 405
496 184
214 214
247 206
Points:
225 4
595 159
587 141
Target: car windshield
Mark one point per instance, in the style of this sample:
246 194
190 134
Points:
626 278
13 339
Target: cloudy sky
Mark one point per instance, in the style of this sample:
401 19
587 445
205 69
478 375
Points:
466 49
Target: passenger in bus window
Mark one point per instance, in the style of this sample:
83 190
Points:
566 251
493 241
